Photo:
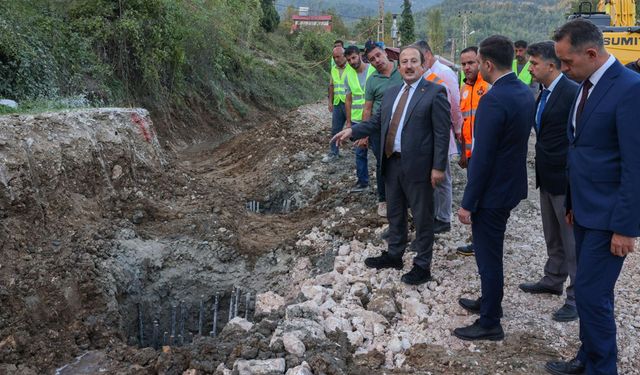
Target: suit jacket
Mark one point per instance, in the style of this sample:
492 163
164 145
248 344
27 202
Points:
552 143
604 155
498 170
425 134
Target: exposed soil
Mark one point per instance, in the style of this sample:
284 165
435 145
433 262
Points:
96 234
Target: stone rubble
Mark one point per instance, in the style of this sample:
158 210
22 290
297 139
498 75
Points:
384 318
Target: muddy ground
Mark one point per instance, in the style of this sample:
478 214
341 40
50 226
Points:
102 237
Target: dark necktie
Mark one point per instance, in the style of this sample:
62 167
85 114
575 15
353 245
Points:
395 122
586 86
543 101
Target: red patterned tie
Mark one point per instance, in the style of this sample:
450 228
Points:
586 86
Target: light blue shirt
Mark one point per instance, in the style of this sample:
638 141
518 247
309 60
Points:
554 83
550 89
397 147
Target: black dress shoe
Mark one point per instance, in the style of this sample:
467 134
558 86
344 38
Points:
384 261
477 332
473 305
537 288
416 276
572 367
566 313
466 250
441 226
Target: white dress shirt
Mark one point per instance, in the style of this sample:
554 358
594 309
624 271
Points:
451 81
453 95
397 146
595 78
550 89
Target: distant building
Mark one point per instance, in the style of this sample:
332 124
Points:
304 21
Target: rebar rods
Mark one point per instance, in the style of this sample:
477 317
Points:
156 333
173 325
140 326
214 324
201 316
231 301
247 299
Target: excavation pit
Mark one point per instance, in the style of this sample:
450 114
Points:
165 291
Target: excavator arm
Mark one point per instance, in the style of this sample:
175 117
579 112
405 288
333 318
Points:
622 12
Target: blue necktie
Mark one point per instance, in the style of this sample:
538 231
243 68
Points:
543 100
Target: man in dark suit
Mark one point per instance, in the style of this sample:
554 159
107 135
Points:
552 110
603 200
497 179
413 121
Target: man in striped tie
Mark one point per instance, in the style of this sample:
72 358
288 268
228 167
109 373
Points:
413 122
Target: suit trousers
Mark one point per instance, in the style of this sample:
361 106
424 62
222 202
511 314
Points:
402 193
488 226
374 143
443 197
596 277
561 246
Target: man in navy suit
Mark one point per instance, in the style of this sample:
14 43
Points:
413 122
552 110
603 202
497 179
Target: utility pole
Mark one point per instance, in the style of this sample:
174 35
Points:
453 49
394 31
465 26
381 21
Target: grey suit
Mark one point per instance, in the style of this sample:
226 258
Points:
552 146
424 143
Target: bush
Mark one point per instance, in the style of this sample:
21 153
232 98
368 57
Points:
156 53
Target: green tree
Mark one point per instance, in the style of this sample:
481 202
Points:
366 28
406 27
337 24
270 17
286 23
435 30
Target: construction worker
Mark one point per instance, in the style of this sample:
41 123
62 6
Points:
443 75
355 85
473 88
521 64
386 75
337 99
520 67
337 43
634 65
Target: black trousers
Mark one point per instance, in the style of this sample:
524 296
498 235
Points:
488 226
402 193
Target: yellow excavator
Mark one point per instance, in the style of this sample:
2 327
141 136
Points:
617 20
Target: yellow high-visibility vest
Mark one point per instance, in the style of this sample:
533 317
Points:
339 87
357 93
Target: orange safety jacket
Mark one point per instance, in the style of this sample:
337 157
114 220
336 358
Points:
469 98
434 78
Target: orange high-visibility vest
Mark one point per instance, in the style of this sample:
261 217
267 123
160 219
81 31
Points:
469 98
434 78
